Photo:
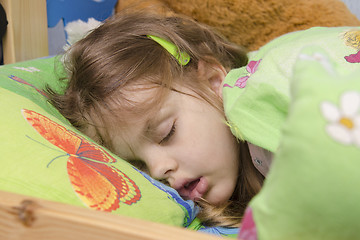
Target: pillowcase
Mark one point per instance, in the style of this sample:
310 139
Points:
311 190
43 156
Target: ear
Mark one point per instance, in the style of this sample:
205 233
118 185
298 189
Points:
214 73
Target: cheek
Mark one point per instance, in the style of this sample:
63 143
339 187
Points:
200 139
193 149
221 191
211 147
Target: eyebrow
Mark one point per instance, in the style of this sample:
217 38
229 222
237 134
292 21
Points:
151 125
152 122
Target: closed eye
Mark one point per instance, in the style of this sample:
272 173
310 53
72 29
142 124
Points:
170 134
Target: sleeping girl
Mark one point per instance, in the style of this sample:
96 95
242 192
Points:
150 89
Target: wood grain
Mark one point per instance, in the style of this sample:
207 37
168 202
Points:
27 218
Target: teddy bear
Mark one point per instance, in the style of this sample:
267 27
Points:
253 23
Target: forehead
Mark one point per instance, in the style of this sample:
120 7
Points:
133 102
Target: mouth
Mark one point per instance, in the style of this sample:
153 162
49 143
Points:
194 189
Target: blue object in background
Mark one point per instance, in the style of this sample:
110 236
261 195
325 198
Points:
61 12
72 10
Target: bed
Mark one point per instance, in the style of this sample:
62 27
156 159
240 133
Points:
44 157
55 183
24 217
55 188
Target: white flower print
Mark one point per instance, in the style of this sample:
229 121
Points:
344 121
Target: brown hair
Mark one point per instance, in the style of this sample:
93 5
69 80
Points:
118 57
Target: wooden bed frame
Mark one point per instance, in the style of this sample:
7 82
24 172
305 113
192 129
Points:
28 218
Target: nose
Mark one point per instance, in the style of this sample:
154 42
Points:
161 165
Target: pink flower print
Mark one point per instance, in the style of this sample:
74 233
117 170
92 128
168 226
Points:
241 82
353 58
251 69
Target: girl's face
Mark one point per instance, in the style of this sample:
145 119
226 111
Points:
186 143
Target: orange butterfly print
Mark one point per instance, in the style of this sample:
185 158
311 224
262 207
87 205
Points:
98 184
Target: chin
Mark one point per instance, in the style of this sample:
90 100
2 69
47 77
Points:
217 199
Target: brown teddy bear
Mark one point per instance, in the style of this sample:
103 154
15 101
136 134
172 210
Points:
252 23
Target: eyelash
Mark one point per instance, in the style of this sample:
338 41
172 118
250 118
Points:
169 135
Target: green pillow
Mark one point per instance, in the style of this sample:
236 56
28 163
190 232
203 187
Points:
42 155
311 191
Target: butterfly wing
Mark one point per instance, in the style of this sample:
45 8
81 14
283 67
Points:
92 188
98 184
127 191
65 139
54 133
88 150
101 186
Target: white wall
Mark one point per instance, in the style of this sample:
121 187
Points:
354 6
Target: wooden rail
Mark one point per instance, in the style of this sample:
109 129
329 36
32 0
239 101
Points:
28 218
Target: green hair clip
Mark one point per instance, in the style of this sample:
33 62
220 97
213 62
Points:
182 57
